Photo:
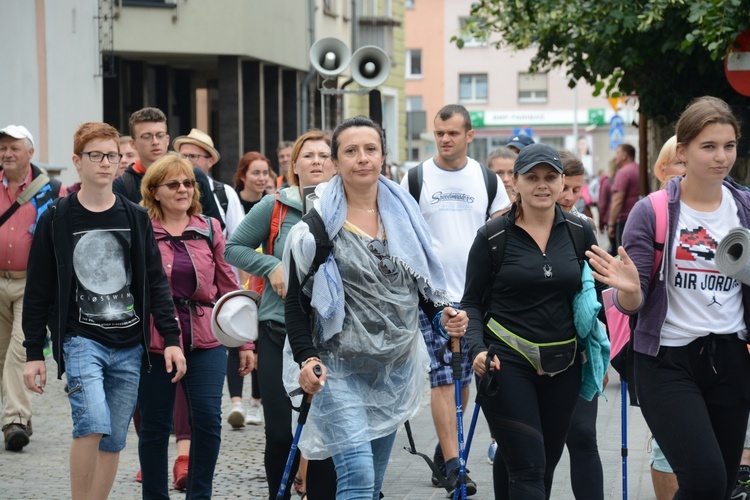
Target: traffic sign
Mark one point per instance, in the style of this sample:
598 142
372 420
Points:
616 132
737 64
523 130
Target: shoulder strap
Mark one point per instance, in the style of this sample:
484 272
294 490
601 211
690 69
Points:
128 182
659 200
575 227
221 193
277 218
490 182
323 244
496 237
210 231
32 189
415 176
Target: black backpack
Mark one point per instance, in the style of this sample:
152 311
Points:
416 174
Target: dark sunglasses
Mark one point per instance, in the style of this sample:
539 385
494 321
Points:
175 185
386 266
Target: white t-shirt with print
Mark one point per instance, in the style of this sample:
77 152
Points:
702 300
454 204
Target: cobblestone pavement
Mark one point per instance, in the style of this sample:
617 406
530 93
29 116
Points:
41 469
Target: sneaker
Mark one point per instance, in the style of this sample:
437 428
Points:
471 486
180 472
254 414
741 491
491 453
139 476
236 417
16 437
439 460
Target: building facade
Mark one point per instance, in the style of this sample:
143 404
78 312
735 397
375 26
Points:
503 98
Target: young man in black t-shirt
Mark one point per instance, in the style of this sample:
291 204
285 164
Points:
94 263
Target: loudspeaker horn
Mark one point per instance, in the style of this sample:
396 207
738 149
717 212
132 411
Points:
330 56
370 66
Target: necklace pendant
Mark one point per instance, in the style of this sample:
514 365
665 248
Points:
547 271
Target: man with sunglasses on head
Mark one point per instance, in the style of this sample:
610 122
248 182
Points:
150 139
95 277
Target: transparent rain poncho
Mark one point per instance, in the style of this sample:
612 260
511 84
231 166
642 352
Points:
376 365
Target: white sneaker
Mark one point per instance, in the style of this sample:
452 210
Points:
236 417
254 414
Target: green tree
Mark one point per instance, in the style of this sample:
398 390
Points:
665 51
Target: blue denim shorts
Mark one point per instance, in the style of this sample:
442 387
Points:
102 389
441 374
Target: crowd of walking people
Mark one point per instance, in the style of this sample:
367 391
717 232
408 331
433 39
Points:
366 291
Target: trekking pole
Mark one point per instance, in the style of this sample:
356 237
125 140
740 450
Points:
474 418
624 450
459 493
304 409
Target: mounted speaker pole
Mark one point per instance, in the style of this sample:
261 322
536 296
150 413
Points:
330 56
370 66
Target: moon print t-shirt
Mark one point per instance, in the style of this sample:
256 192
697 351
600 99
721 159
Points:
102 307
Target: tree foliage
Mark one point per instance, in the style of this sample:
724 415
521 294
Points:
665 51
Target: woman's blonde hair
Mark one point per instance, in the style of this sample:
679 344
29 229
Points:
171 164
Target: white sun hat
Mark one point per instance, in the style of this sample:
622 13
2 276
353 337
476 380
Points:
234 320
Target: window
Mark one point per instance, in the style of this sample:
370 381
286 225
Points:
470 41
472 88
532 87
414 63
414 103
409 4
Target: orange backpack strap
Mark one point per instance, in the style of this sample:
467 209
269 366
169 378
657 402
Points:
277 218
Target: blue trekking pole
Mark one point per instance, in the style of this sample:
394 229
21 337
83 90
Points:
473 426
624 450
304 409
459 493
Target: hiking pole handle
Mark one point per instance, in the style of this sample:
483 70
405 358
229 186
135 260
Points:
307 400
456 357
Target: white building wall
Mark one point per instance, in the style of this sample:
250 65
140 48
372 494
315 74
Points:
69 57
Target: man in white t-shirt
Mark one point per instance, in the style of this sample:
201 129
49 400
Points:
454 200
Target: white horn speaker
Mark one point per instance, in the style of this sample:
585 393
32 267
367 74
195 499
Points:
329 56
370 66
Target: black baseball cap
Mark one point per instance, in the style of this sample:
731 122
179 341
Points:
536 154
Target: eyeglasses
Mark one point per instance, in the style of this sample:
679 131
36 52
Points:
147 137
175 185
98 156
386 266
195 157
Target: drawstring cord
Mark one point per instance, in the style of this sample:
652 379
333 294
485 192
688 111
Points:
710 342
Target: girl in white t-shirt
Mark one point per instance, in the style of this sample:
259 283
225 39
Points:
692 367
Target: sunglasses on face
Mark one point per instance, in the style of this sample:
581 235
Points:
175 185
386 266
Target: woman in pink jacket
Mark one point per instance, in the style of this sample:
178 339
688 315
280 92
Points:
192 249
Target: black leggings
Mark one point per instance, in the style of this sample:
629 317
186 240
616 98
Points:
529 417
277 411
235 380
696 400
586 476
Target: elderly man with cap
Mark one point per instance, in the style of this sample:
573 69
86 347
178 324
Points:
25 192
518 142
198 147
